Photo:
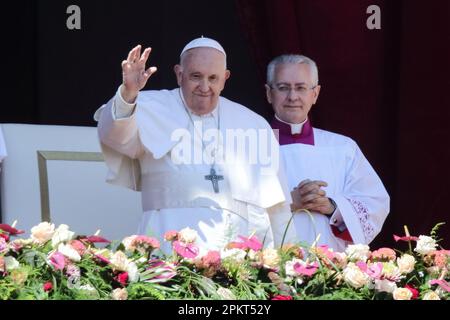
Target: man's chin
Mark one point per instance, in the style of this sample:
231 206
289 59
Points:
295 117
202 109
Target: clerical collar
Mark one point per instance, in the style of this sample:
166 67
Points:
287 137
212 114
296 128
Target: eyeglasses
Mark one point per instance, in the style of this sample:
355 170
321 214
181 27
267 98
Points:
285 89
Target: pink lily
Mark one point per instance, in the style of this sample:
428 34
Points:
186 250
95 239
251 242
405 238
306 270
57 260
12 231
442 283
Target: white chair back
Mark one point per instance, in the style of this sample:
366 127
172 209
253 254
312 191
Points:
57 173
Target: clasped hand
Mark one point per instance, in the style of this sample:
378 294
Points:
309 195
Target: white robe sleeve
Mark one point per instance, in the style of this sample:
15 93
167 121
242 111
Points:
281 217
120 142
3 152
364 203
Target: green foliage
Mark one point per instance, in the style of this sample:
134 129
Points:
29 270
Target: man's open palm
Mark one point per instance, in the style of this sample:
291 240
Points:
134 74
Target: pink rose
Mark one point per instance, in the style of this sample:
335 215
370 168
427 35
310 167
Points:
414 291
48 286
211 259
171 235
383 254
281 297
122 278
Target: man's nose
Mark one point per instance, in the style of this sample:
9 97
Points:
293 95
204 85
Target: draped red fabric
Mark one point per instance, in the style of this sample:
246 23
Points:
386 88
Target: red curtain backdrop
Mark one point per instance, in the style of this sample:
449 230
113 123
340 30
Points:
388 89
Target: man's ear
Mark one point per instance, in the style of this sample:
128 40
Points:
178 72
316 93
268 96
227 76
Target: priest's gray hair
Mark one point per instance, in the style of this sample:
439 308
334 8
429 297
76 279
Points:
292 59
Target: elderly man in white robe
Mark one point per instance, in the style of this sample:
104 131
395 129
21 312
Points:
174 146
328 174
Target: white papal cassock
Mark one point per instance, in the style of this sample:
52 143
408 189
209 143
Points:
362 201
140 149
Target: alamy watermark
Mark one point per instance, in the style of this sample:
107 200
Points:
235 147
374 20
73 22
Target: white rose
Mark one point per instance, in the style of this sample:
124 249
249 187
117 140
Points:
340 259
359 252
226 294
62 234
119 261
406 263
187 235
132 270
402 294
385 286
431 295
425 245
11 263
270 258
68 251
119 294
354 276
128 243
236 254
42 232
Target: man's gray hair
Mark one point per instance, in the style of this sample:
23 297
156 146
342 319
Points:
292 59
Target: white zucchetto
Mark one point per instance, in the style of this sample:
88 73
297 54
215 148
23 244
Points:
203 42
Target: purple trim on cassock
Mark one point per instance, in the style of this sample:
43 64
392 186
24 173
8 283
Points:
286 137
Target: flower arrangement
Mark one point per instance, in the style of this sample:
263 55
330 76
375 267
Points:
54 263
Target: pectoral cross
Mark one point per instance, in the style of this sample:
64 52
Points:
214 179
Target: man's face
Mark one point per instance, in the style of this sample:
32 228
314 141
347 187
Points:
292 93
202 77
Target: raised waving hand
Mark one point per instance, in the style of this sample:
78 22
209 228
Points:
134 74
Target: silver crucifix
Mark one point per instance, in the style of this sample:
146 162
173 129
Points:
214 179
